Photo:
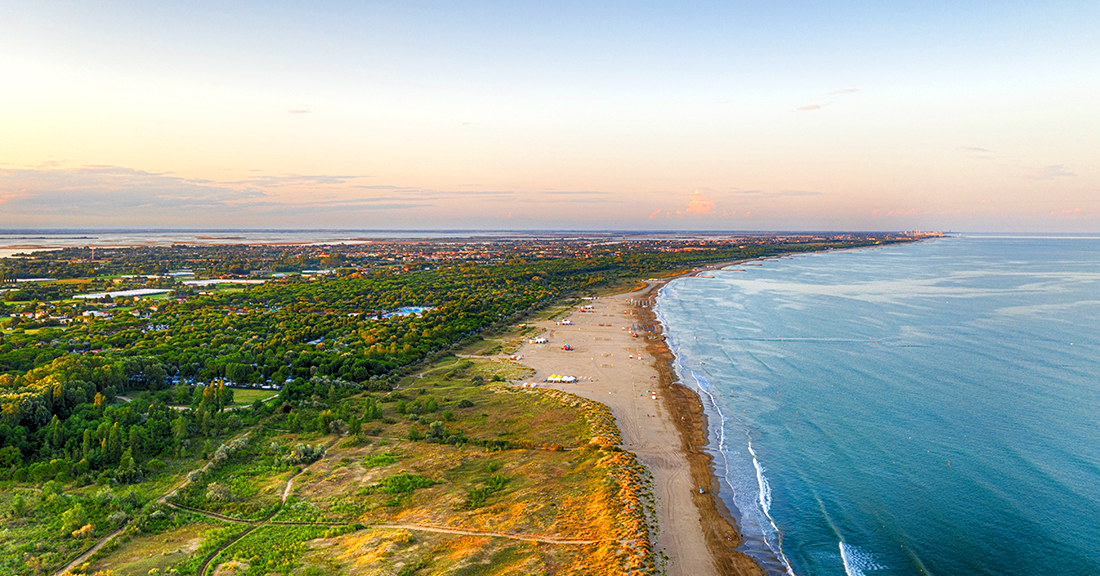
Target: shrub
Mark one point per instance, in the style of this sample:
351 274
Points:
18 506
73 519
84 531
465 404
381 459
219 493
404 482
305 454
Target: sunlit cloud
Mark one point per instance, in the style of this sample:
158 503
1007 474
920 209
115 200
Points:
809 107
299 111
699 204
298 180
1048 173
1067 212
574 192
94 190
655 214
775 193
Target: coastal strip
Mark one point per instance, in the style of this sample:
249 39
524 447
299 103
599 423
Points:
602 358
686 410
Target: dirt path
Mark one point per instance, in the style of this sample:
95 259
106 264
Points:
163 499
88 553
542 539
208 514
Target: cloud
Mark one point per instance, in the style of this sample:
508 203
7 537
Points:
809 107
298 180
114 195
972 149
299 111
776 194
844 91
655 214
107 189
1048 173
699 204
1067 212
575 193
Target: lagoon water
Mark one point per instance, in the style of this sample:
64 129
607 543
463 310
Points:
931 408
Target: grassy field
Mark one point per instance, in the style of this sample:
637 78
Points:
245 397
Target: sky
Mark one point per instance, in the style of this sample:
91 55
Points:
963 116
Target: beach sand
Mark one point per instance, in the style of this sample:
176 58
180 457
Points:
667 433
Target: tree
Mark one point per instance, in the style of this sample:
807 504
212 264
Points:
86 446
10 457
126 462
179 429
138 438
114 444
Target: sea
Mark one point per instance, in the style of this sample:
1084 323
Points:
926 408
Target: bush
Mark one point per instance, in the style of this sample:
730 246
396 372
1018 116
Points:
404 482
465 404
219 493
303 454
18 506
381 459
73 519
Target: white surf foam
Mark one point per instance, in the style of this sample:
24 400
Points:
758 514
856 560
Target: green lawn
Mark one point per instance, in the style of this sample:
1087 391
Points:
246 397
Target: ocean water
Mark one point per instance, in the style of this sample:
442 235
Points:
931 408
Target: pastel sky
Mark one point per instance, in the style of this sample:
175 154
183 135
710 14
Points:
972 116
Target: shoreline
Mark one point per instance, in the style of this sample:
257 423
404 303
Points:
720 527
662 422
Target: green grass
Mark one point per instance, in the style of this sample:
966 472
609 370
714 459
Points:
383 459
246 397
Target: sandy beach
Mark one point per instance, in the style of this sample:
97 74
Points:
661 422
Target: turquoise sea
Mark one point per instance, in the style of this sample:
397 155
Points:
930 408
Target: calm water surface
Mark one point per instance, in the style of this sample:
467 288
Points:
923 409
